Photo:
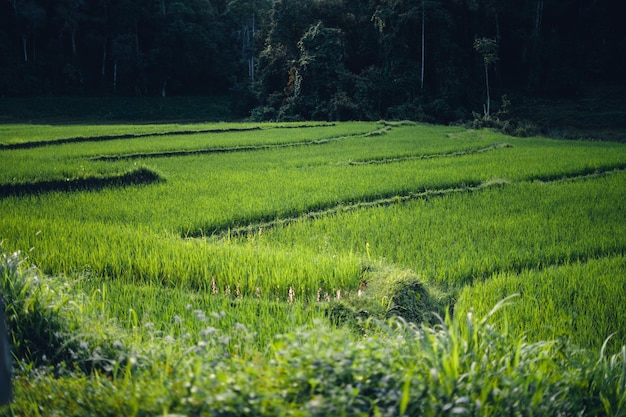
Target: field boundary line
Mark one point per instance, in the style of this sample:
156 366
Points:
232 149
544 263
227 232
139 176
583 174
104 138
469 151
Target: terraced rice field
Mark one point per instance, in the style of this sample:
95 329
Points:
162 229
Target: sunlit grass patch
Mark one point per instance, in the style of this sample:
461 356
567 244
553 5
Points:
581 301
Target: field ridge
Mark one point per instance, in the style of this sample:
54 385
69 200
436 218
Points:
138 176
538 265
226 149
251 226
104 138
585 173
464 152
227 231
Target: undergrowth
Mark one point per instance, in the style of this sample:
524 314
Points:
47 325
461 366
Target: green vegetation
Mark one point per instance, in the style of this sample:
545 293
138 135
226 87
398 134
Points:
581 297
310 269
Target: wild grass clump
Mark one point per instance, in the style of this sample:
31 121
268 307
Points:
385 292
458 366
45 325
32 307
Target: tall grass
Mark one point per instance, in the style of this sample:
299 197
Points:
460 367
462 238
583 300
48 325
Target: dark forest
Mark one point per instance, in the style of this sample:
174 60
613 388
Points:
430 60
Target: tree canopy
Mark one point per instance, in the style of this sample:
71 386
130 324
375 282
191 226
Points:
313 59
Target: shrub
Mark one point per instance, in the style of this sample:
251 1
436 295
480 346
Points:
504 122
388 292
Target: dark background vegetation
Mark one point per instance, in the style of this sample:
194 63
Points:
560 63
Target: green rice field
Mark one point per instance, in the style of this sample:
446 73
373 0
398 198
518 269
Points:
356 268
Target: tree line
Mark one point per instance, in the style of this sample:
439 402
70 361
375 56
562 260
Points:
433 60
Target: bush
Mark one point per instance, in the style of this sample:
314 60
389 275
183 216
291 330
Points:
504 122
453 368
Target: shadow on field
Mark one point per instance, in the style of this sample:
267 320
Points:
229 149
102 138
136 177
238 228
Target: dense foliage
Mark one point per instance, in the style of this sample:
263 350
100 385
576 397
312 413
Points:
321 59
455 367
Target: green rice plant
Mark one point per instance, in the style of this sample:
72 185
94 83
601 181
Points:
99 210
24 167
460 238
583 301
45 324
184 316
29 136
22 135
138 255
67 159
122 233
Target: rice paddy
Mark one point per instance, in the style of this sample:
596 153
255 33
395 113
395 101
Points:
225 243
